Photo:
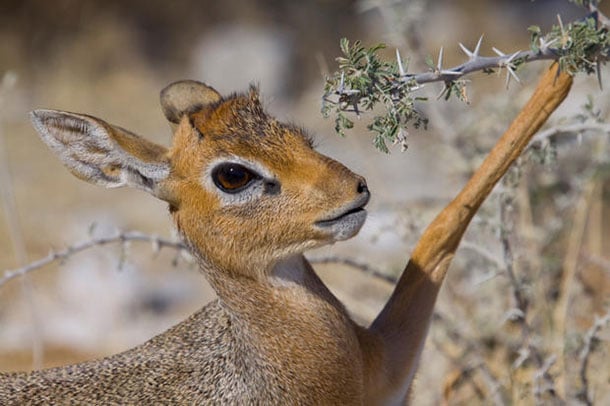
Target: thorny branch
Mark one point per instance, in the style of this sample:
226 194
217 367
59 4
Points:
364 80
63 255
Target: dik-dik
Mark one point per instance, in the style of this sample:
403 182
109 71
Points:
248 195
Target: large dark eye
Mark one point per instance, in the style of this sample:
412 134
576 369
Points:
232 177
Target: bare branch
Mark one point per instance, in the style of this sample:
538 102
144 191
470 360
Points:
483 252
361 266
603 20
471 347
158 243
544 381
577 128
585 353
517 289
597 261
121 237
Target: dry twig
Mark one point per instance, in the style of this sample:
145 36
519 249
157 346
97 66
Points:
471 348
352 263
588 347
121 237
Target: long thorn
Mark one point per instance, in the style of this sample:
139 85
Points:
513 56
439 65
466 51
478 47
513 74
560 24
498 52
401 69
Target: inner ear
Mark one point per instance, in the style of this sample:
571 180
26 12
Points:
185 97
101 153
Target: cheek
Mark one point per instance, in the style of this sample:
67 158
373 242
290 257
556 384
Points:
273 222
268 225
194 214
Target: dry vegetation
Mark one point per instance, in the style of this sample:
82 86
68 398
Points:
523 316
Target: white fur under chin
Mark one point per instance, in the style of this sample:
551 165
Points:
289 271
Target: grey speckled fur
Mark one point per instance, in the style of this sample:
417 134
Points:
169 373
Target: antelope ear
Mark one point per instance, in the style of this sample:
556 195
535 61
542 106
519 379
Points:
102 154
184 97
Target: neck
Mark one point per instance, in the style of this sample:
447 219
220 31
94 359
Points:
290 279
292 321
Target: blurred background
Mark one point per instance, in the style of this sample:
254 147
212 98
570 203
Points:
110 59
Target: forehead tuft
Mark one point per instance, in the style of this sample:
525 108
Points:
241 118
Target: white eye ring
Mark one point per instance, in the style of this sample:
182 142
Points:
236 180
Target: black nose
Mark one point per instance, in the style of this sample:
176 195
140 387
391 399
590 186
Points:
362 188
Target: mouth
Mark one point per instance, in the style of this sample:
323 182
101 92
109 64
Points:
345 222
355 212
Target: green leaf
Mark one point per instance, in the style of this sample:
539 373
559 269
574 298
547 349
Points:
380 144
534 29
344 45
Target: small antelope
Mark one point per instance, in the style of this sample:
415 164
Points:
249 194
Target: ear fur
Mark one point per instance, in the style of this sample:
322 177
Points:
103 154
186 96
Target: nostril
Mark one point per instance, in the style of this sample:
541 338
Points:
362 188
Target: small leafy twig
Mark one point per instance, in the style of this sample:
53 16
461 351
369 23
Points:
121 237
364 80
